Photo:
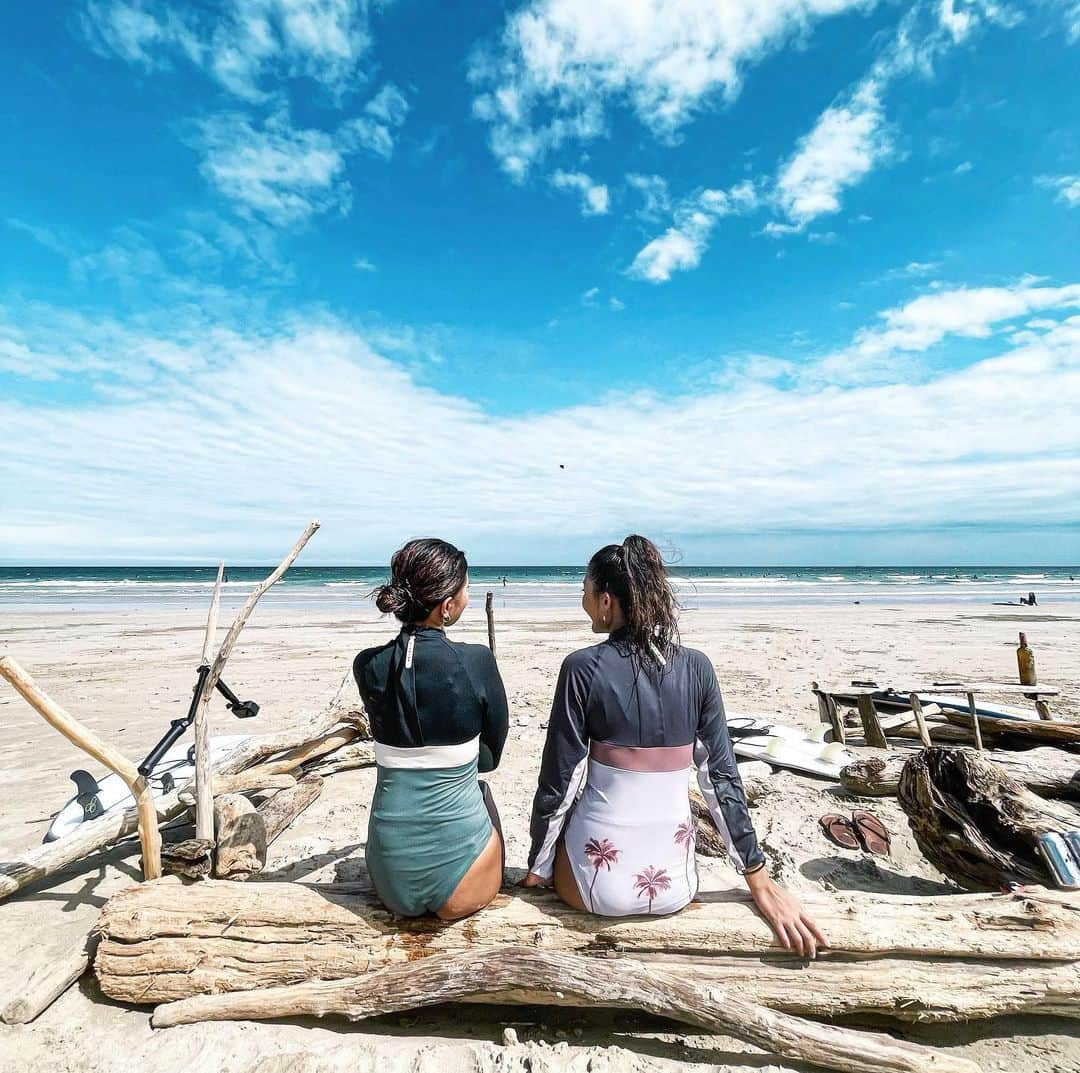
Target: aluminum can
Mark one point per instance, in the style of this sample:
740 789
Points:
1059 860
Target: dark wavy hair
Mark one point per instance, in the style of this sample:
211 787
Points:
634 573
423 573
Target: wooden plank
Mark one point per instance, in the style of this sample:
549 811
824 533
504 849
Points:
872 731
975 722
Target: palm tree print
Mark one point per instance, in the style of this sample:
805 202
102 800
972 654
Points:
684 836
651 883
602 854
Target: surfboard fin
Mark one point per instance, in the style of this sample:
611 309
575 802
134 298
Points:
87 790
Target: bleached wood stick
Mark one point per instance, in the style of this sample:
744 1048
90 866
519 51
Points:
204 790
346 759
249 605
101 751
920 719
50 977
244 782
624 983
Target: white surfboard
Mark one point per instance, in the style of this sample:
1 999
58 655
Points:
111 793
787 747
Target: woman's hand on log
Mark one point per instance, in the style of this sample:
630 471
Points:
785 915
533 880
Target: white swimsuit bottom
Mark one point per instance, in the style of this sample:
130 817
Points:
630 838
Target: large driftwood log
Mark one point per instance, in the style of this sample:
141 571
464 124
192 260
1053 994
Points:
53 857
626 984
1052 732
1049 772
346 758
975 823
162 942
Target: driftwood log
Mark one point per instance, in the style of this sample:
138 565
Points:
1049 772
281 810
346 758
204 790
626 984
947 958
1049 732
974 822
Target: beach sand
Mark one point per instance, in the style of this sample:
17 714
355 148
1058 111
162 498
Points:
126 674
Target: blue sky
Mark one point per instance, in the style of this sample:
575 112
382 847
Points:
774 280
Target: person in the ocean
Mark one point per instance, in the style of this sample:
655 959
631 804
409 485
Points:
438 716
630 716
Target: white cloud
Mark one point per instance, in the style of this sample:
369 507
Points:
280 173
845 144
1067 187
615 305
284 174
558 64
970 313
654 195
243 44
362 264
962 168
594 196
590 296
126 474
680 247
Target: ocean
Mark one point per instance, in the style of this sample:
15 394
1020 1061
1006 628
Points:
53 588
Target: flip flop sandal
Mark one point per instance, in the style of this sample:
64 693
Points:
839 830
871 833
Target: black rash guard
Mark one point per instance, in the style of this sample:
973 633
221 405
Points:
449 695
607 695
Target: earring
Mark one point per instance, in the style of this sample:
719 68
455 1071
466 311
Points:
445 619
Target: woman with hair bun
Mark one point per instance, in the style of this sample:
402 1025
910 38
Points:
438 716
630 716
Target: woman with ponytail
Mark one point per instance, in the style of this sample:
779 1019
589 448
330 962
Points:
630 716
438 716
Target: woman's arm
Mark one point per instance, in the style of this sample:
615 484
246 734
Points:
495 718
718 776
562 768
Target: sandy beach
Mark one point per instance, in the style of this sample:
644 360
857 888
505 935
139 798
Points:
127 673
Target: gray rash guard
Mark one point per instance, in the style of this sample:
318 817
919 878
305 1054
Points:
606 695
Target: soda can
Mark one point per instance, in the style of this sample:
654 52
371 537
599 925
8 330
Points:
1073 840
1059 860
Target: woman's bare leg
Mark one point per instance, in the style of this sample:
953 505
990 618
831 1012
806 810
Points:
565 884
482 881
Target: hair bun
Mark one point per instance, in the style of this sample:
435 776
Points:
392 598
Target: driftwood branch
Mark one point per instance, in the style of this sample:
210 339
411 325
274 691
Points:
489 611
1049 772
113 759
240 850
244 782
345 759
204 791
282 809
626 983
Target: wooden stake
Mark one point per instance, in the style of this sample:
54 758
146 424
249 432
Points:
204 790
489 609
828 713
104 753
920 719
623 983
975 722
872 731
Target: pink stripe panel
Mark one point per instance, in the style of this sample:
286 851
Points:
631 758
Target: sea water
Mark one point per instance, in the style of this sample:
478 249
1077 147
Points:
52 588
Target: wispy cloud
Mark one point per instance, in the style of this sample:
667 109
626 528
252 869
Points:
284 174
212 407
362 264
844 146
680 247
556 66
595 200
655 199
1067 188
242 44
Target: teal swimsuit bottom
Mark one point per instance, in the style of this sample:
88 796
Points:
428 825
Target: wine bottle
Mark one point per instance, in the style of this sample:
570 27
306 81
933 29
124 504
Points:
1025 661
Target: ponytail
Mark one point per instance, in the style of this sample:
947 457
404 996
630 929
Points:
634 574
